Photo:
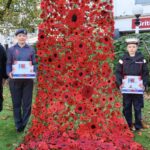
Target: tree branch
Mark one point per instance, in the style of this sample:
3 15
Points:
8 4
6 7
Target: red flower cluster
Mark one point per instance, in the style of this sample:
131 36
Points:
74 18
76 105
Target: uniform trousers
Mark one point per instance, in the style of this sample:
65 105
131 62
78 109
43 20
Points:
21 92
135 100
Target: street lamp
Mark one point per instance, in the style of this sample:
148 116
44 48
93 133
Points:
137 11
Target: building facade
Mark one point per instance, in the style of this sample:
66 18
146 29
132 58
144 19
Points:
125 19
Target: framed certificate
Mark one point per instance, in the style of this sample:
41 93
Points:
23 70
132 85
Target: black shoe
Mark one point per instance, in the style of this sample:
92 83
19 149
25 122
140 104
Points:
132 127
139 130
21 129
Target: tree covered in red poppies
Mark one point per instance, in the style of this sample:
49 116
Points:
76 105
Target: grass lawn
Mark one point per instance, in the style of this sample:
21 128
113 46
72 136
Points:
9 138
144 138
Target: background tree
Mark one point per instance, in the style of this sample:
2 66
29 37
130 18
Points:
17 13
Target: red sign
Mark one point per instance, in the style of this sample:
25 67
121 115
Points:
144 23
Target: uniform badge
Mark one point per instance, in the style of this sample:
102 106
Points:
120 61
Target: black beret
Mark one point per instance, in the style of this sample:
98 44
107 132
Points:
23 31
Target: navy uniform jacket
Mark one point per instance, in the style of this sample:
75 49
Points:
16 53
3 60
135 66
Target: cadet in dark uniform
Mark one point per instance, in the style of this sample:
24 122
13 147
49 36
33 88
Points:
3 74
21 89
133 64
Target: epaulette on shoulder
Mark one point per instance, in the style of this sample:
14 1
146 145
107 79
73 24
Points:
120 61
144 61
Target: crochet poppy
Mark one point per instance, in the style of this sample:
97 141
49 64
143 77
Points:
75 18
77 104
